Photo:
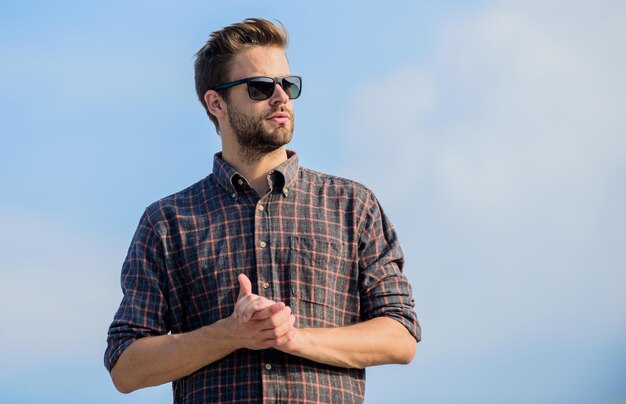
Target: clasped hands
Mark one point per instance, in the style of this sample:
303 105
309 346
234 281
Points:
260 323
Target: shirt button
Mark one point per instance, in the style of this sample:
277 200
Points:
263 244
266 285
260 208
234 195
268 366
240 181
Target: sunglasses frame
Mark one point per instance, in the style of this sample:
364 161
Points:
247 80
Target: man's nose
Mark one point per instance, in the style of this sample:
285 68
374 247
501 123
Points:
279 96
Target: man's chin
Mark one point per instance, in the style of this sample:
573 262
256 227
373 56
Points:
271 128
280 136
268 144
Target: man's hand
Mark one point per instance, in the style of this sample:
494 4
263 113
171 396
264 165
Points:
248 304
257 322
159 359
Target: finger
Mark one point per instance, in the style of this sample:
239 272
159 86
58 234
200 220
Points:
262 339
251 305
242 301
284 327
245 286
269 311
288 336
278 319
245 289
280 331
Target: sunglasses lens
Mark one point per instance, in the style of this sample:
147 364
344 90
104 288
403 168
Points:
292 86
261 88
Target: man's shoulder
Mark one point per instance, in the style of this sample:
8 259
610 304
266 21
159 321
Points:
336 183
182 201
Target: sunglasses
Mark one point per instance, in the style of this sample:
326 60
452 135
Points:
262 88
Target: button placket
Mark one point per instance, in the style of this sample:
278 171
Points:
264 246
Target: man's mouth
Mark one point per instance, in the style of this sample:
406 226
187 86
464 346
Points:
279 118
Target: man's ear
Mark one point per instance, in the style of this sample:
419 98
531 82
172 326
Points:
215 104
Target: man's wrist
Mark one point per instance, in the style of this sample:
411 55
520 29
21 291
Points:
296 344
222 330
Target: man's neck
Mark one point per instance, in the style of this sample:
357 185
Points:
255 171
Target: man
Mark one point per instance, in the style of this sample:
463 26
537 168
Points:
265 281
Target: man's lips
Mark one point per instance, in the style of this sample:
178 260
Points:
279 118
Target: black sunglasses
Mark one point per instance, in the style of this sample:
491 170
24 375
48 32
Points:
262 88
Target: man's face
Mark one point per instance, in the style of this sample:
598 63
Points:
260 127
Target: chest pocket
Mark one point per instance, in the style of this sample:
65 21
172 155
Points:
323 281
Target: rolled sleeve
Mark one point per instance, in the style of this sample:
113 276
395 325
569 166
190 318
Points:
385 290
143 310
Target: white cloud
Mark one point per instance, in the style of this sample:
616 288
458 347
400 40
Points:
548 114
512 139
392 108
105 77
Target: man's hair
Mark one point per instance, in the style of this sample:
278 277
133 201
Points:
214 59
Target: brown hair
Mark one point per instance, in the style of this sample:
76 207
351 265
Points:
213 60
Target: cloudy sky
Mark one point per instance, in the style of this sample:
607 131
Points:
493 133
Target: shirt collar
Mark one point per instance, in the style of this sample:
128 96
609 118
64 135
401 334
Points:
280 179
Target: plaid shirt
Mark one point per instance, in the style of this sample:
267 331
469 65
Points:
319 243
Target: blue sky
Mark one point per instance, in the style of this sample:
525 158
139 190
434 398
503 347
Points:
492 132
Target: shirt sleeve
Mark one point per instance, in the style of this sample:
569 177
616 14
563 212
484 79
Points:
143 310
385 290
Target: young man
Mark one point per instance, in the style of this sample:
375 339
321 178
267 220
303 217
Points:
265 280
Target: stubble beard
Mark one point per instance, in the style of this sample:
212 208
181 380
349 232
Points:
252 137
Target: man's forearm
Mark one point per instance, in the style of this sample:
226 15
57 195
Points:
151 361
377 341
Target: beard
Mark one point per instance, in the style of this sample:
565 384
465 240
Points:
252 136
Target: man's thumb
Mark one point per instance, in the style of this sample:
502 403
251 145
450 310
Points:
245 286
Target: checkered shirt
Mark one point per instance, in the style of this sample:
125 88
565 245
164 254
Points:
319 243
